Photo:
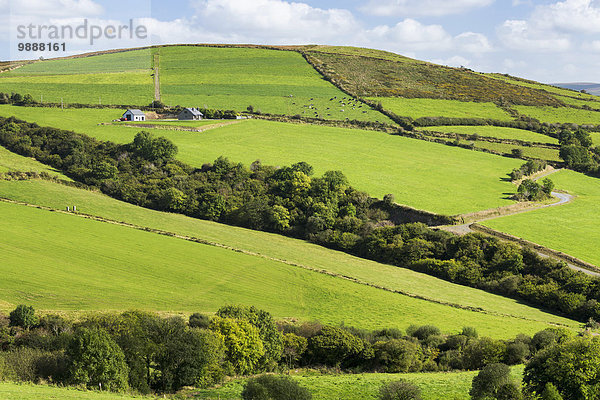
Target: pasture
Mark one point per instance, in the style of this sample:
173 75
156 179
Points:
497 132
62 262
555 90
275 246
434 386
118 78
571 228
555 115
271 81
533 152
417 108
30 391
420 174
13 162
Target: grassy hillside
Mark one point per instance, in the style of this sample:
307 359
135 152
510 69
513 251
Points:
496 132
28 391
572 228
12 162
417 108
420 174
275 246
118 78
555 90
368 75
272 81
554 115
56 261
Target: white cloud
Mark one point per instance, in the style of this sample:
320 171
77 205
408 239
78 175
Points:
411 35
454 61
269 19
411 8
53 8
473 42
520 35
569 16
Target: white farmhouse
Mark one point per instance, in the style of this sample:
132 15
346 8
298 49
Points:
134 115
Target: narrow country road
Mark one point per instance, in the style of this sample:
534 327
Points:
563 198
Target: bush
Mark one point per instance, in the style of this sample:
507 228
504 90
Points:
271 387
494 382
200 321
400 390
23 316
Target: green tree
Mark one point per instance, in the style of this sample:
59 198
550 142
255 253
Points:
484 351
244 350
23 316
294 347
270 336
494 382
550 393
96 360
573 367
398 355
332 346
150 148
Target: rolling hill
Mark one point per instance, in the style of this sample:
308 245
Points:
420 174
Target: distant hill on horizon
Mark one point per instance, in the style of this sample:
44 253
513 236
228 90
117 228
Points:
589 87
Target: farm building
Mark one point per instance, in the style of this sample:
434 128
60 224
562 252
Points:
190 114
134 115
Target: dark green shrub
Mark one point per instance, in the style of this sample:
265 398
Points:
200 321
23 316
400 390
494 382
272 387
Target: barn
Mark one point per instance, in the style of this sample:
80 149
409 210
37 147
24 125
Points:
190 114
134 115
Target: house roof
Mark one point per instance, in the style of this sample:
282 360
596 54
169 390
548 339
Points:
195 112
135 111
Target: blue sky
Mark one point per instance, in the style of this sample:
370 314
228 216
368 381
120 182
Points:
545 40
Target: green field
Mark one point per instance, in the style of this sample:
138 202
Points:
66 263
127 61
571 228
554 115
375 162
534 152
555 90
434 386
272 81
495 132
417 108
12 162
276 246
593 103
119 78
29 391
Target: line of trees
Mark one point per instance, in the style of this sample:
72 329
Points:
578 152
144 352
291 201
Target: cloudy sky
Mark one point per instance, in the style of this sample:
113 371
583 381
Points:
545 40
